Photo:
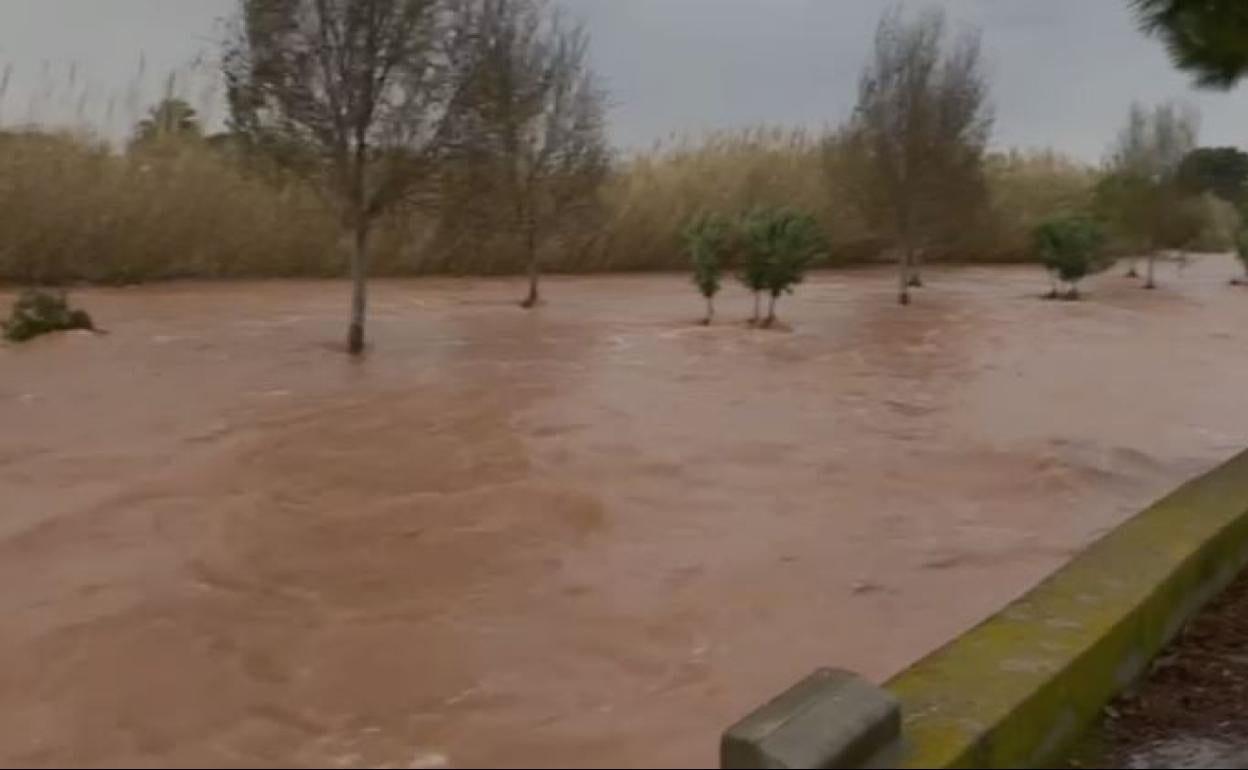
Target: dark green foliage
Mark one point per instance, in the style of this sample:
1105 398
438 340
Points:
1208 38
752 270
1070 248
39 312
707 240
1222 171
780 245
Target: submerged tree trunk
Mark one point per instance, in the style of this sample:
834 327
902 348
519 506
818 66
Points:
532 299
359 288
771 309
757 309
1148 282
359 258
903 273
530 246
1053 288
710 310
916 267
1131 271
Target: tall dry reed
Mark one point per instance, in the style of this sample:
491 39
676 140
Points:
76 208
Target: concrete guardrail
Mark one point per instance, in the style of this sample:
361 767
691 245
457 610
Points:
1018 689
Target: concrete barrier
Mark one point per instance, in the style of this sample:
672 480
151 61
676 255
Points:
831 718
1020 688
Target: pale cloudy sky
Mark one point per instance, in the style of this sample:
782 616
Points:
1063 71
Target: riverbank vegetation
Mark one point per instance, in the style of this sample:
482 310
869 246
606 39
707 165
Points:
477 143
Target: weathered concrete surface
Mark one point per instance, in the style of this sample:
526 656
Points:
1018 688
832 719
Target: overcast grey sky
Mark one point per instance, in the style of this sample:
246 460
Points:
1063 71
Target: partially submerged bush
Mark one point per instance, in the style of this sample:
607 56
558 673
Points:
39 312
780 245
706 241
1070 248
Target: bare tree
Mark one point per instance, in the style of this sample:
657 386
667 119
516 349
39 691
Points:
361 88
1125 194
1141 193
534 117
919 134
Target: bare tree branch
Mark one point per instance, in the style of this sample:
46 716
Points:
356 93
530 125
918 136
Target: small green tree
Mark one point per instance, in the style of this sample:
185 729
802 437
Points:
780 245
706 241
752 271
1070 248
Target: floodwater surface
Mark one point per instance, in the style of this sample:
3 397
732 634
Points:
593 534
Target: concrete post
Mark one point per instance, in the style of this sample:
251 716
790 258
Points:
831 719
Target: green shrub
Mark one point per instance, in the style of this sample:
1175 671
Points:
780 245
39 312
1070 248
707 239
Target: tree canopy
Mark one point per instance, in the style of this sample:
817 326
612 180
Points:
1222 171
1070 248
1207 38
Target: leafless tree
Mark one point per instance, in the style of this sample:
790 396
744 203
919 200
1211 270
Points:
532 118
918 136
358 91
1141 193
1154 142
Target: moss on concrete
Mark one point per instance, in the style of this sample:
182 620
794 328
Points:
1018 689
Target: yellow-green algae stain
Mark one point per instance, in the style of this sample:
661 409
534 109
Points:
1018 689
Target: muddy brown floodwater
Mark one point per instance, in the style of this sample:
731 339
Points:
590 535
